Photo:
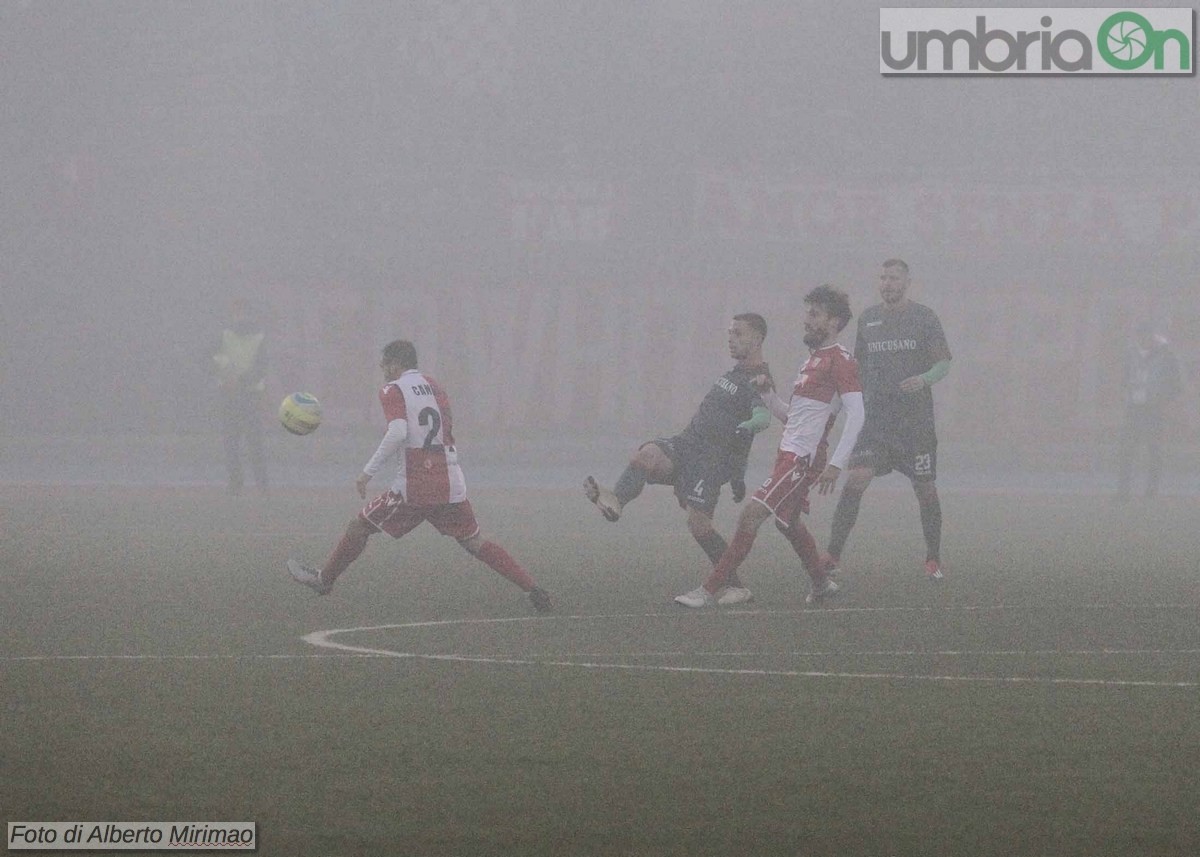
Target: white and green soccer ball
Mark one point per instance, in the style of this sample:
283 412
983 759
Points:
300 413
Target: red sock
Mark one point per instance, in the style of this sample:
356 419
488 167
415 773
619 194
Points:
805 547
346 552
498 559
737 551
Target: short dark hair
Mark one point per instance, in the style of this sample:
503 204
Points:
757 322
896 263
401 351
833 301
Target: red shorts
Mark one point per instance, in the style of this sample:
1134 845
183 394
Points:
389 513
785 492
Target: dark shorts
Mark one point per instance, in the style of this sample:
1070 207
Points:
699 472
912 452
389 513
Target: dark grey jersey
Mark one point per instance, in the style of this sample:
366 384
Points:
730 401
894 344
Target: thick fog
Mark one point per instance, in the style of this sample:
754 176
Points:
561 204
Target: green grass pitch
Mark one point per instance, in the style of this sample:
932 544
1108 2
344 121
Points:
1041 701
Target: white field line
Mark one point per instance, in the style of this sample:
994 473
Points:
869 653
323 639
540 657
585 660
209 657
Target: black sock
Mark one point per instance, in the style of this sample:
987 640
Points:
631 483
931 525
713 545
843 520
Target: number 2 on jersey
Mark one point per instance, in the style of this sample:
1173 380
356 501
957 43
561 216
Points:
430 417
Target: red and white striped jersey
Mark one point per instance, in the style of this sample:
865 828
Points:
428 473
828 373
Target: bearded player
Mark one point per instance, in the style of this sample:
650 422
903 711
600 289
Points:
428 486
903 353
828 381
713 449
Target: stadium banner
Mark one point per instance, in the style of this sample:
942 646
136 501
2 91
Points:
550 360
999 217
1035 41
132 835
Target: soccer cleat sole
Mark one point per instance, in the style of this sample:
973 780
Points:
603 500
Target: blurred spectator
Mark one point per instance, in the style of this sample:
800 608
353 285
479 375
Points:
1151 382
241 365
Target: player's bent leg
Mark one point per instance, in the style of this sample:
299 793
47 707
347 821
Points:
348 549
500 561
654 463
650 464
351 546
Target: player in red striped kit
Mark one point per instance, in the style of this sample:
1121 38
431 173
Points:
827 380
429 484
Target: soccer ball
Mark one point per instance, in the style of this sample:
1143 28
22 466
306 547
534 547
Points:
300 413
